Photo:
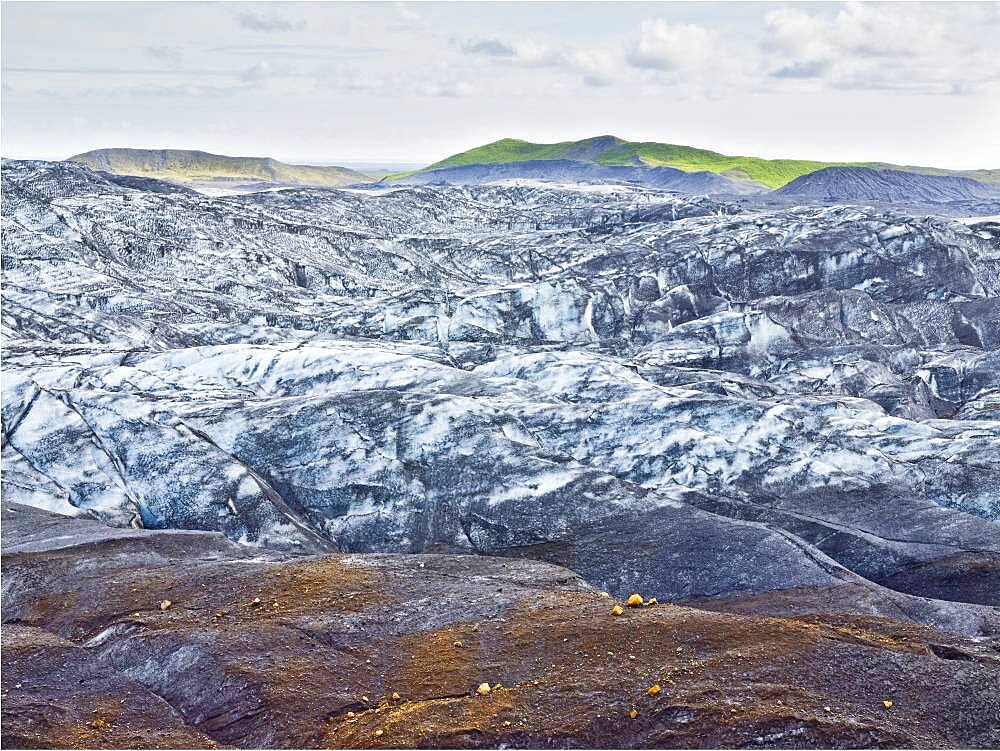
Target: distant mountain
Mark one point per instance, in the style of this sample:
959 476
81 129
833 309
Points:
866 184
182 166
610 150
566 170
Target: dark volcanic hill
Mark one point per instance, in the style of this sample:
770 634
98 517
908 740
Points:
886 186
179 165
569 171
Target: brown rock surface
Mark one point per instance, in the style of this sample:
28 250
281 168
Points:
273 651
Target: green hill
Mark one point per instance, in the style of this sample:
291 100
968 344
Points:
610 150
182 166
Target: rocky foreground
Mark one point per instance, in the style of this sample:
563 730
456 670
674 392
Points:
134 638
363 426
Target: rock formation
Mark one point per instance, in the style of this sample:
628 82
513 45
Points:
787 417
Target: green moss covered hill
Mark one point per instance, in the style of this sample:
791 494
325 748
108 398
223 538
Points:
179 165
609 150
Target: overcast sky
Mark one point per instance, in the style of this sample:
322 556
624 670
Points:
415 82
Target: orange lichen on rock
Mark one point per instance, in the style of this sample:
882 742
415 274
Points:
634 601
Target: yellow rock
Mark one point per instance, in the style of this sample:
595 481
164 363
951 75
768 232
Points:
457 644
654 689
395 696
350 715
605 595
365 699
634 601
165 604
378 733
484 688
633 714
887 704
617 610
651 601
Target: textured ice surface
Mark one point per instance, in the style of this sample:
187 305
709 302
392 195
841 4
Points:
656 390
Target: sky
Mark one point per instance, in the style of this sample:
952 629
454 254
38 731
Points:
414 82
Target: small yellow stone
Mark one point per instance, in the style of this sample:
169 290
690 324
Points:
634 601
395 696
654 689
484 688
887 704
378 733
633 714
605 595
365 699
617 610
165 604
457 644
350 715
651 601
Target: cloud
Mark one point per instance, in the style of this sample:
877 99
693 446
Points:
599 68
438 81
166 53
448 89
813 69
491 47
913 48
258 72
671 47
257 21
596 67
405 12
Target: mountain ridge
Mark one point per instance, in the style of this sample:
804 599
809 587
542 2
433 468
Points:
867 184
610 150
189 165
571 171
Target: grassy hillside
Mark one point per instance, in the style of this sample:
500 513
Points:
610 150
184 166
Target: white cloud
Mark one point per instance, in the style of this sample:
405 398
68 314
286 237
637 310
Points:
171 55
923 48
406 13
672 47
491 47
258 72
258 21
